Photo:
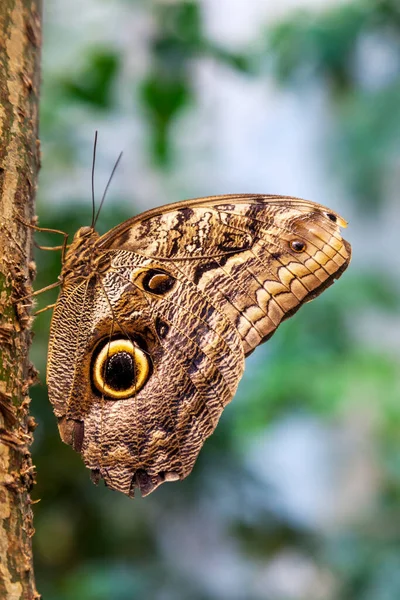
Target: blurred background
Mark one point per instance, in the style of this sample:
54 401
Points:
296 496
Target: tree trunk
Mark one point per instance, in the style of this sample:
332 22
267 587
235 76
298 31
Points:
20 42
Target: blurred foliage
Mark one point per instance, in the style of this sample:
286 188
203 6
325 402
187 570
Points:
168 87
336 45
95 82
94 544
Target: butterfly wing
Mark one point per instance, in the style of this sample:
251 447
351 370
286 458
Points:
195 361
258 257
197 285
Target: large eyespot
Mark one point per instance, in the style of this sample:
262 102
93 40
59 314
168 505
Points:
157 281
120 369
297 246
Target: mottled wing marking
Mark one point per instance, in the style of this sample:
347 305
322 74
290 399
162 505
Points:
69 321
201 350
237 251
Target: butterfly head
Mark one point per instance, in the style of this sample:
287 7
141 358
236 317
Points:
85 232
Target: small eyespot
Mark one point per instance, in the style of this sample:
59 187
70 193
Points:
157 282
297 246
162 328
120 369
331 217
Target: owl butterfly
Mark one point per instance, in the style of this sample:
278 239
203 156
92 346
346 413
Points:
155 318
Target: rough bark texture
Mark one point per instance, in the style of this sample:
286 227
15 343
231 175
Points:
20 42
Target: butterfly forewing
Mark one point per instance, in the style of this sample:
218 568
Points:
241 252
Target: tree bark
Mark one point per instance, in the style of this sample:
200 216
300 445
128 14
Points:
20 43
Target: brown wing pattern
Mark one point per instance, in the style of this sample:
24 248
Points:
233 268
237 250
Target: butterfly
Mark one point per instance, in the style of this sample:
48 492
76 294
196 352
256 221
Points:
155 318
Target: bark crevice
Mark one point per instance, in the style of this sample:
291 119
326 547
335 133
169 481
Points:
20 37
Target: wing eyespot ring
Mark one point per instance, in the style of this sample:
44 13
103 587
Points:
298 246
120 369
154 281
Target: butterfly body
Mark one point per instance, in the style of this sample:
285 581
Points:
155 318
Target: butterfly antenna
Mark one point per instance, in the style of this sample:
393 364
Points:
107 186
93 167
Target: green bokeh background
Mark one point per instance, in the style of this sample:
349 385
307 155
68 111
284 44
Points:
296 496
